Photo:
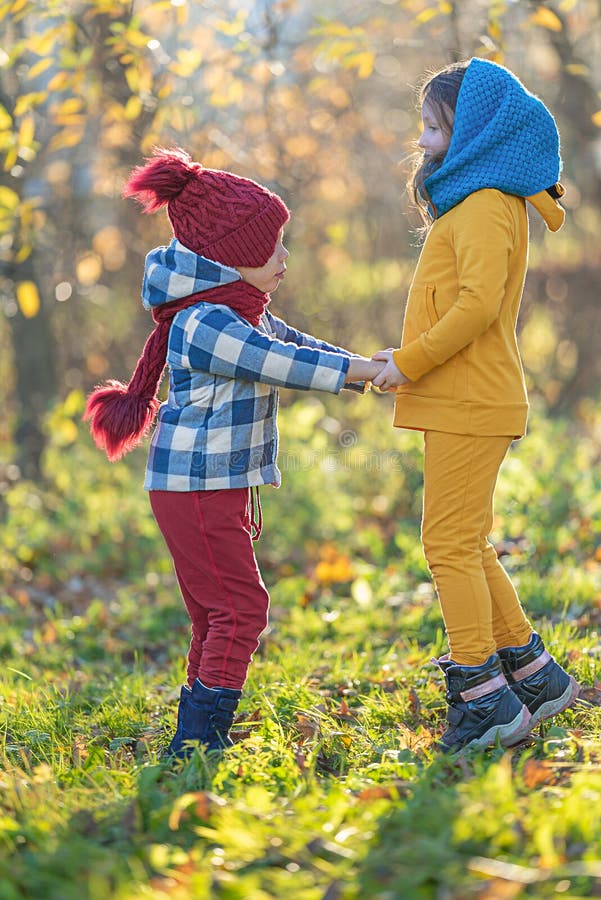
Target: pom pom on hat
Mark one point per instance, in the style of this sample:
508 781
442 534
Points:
219 215
161 179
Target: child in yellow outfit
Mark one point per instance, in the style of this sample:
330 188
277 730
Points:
488 147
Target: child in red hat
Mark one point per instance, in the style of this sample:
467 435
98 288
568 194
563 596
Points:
216 437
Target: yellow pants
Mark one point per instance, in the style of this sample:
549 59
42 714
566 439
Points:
480 606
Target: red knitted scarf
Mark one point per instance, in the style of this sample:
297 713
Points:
120 415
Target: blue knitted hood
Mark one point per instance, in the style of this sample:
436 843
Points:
503 137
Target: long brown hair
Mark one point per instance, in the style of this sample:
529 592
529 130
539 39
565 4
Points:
440 91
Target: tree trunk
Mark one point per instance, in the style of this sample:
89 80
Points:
35 381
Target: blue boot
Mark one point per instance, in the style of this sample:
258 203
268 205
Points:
482 708
537 680
176 740
204 717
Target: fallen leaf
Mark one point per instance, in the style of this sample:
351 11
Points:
309 728
195 803
390 791
539 771
591 695
79 751
414 702
301 761
499 889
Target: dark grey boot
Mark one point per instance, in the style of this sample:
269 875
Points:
482 708
205 716
538 680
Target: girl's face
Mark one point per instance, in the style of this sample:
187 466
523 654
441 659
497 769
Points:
267 278
435 139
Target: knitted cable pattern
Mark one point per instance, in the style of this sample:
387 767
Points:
503 137
227 218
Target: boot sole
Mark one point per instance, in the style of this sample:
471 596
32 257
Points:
511 733
553 707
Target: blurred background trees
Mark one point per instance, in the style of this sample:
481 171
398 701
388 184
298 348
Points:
315 99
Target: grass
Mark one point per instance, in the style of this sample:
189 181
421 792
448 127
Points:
334 788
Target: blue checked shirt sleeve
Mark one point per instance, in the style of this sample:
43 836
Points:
223 344
290 335
285 333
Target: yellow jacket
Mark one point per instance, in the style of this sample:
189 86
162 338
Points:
459 346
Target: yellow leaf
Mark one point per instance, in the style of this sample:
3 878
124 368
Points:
18 5
494 30
145 75
26 131
23 253
68 106
68 137
546 18
133 108
231 29
136 38
10 159
338 49
39 67
27 101
188 61
364 63
577 69
133 79
75 119
333 29
58 81
425 15
42 43
28 298
5 119
596 118
333 567
9 199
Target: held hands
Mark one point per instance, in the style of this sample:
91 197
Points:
389 377
380 370
362 369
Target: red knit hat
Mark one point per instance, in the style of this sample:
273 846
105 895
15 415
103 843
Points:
227 218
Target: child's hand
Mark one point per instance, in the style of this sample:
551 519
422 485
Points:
390 377
363 369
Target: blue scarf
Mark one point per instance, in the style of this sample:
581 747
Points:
503 137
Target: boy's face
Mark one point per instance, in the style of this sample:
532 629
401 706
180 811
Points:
267 278
434 139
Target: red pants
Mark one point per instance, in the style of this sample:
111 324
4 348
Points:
209 536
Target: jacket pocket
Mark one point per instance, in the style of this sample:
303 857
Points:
431 304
